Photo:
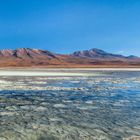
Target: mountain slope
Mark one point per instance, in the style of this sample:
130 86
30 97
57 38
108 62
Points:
26 53
24 57
97 54
27 57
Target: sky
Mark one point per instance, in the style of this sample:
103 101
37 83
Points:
65 26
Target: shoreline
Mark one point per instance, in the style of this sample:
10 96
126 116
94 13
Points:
61 72
67 69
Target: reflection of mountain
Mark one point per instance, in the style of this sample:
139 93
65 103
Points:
87 58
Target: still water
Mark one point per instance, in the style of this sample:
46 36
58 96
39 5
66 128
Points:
105 106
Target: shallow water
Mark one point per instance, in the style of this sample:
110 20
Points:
105 106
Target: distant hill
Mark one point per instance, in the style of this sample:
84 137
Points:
99 54
24 53
26 57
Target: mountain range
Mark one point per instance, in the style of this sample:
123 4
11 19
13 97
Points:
24 57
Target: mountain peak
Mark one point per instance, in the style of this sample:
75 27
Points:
96 50
26 53
37 57
96 53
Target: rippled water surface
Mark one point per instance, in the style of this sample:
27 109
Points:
105 106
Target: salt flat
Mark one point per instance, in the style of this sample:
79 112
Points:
58 72
37 73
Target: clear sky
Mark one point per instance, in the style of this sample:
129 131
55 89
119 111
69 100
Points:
64 26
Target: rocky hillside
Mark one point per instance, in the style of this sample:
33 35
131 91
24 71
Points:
24 57
100 54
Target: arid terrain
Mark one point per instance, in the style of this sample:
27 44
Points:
25 57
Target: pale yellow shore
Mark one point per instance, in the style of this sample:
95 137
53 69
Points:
68 69
58 72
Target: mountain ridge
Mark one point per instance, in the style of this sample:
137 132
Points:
22 57
95 52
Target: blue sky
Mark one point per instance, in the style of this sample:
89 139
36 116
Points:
64 26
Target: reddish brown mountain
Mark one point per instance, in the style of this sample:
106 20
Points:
26 53
100 54
88 58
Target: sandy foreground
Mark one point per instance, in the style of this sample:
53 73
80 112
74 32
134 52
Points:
58 72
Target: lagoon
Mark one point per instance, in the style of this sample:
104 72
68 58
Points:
71 105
